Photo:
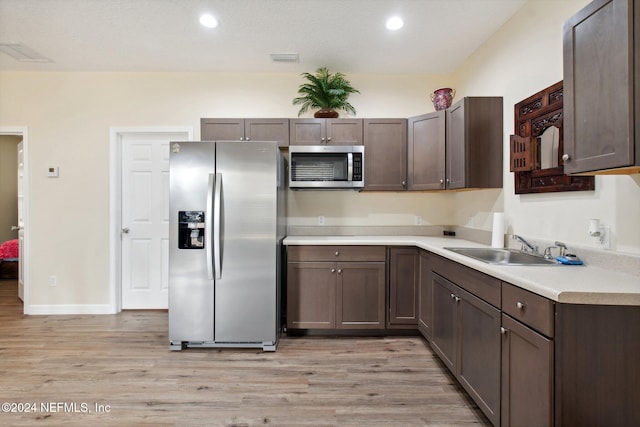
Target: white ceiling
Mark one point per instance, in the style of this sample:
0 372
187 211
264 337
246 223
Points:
164 35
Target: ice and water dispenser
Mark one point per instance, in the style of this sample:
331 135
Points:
190 230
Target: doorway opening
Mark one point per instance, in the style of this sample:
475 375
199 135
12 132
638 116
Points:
14 214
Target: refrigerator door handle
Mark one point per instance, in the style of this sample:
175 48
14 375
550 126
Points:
217 206
350 167
208 225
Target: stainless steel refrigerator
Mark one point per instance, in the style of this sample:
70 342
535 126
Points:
227 224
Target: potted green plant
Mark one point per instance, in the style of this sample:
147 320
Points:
326 91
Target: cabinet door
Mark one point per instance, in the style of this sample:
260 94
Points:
598 86
456 155
527 376
344 131
311 295
475 143
267 130
360 299
426 151
403 286
307 132
385 146
425 296
222 129
444 323
478 363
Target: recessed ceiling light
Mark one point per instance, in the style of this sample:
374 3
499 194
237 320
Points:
208 20
394 23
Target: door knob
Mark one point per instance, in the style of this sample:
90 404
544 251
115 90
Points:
566 157
125 230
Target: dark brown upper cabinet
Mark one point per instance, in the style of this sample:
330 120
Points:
385 145
537 146
325 131
456 148
245 130
602 88
474 143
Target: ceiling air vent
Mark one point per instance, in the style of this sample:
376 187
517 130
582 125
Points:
22 53
284 57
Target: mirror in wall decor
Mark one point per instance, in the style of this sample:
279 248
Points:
537 146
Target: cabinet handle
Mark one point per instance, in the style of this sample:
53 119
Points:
247 139
457 299
442 183
566 157
339 271
241 138
322 139
520 305
328 140
404 183
503 331
337 253
453 296
333 270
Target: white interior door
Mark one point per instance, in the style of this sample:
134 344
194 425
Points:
21 220
145 219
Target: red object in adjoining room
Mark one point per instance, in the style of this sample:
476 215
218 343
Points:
9 249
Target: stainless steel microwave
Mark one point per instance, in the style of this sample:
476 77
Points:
326 166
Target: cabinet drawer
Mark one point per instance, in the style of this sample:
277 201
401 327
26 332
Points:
479 284
336 253
533 310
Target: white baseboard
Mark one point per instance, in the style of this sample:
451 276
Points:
44 309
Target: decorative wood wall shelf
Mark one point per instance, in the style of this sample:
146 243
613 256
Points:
533 116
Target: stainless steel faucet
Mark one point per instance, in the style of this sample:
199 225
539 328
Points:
562 246
562 249
531 247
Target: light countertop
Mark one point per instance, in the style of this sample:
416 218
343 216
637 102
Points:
570 284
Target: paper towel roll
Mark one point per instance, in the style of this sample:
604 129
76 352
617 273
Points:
497 234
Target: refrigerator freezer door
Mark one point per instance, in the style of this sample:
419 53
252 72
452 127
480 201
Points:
190 289
245 293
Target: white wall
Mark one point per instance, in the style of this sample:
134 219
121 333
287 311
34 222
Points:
523 57
69 115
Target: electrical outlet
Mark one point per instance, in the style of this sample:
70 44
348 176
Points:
603 242
320 219
418 219
53 280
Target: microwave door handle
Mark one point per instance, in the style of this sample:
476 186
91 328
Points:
349 166
208 225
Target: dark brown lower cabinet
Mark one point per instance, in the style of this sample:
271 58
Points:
597 378
466 336
348 293
311 295
527 376
425 296
360 295
403 287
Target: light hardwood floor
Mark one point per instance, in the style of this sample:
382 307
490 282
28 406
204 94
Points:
124 361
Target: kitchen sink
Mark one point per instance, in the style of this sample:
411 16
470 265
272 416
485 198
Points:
503 256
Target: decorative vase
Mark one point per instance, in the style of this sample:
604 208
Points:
326 113
442 98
